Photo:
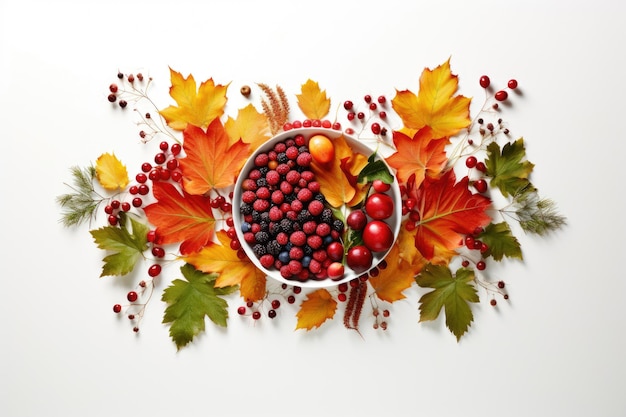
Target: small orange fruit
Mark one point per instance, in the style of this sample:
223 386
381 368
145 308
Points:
321 149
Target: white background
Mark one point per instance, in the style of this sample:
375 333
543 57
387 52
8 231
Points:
556 349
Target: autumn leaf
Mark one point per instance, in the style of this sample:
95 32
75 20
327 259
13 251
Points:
500 242
338 179
395 278
190 301
448 211
313 101
180 217
126 246
509 170
422 156
196 106
110 172
318 307
219 258
210 161
453 293
250 126
436 104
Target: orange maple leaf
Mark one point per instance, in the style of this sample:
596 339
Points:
318 307
180 217
313 101
448 211
336 179
219 258
195 106
436 104
210 161
409 253
250 126
395 278
423 155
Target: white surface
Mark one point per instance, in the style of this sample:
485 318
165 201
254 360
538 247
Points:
556 349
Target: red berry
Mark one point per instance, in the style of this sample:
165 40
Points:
367 98
501 95
379 206
256 315
381 99
471 161
480 185
501 284
373 106
481 265
347 104
380 186
493 302
377 236
335 270
154 270
356 220
241 310
484 81
112 97
132 296
376 128
117 308
512 84
359 258
335 251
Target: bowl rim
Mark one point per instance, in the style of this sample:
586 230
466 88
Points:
308 132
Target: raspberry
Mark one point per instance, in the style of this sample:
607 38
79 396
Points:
298 238
316 207
296 252
280 147
285 272
282 238
277 197
314 186
314 241
255 174
275 214
292 177
248 196
305 195
323 229
263 193
272 177
307 175
309 227
283 169
295 267
315 266
267 260
261 160
261 205
249 184
304 159
292 152
249 237
255 228
297 206
320 255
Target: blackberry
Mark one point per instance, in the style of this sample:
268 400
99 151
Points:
259 250
265 226
265 217
262 236
327 216
303 148
286 226
264 171
304 216
261 182
308 251
338 225
320 197
282 158
245 208
256 216
273 247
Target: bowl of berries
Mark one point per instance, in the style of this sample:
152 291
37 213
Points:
316 207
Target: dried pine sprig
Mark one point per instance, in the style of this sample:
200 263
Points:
535 214
275 107
81 204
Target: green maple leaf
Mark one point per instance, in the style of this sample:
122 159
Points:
501 242
508 169
453 293
126 246
190 300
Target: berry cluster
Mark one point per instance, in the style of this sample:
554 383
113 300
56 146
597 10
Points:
285 220
254 309
375 109
500 95
137 301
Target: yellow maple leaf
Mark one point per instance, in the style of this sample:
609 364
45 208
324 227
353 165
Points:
250 126
318 307
196 106
219 258
110 172
436 104
395 278
313 101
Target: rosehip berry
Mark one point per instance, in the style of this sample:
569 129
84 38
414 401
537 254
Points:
241 310
376 128
501 95
512 84
347 104
117 308
132 296
471 161
485 81
154 270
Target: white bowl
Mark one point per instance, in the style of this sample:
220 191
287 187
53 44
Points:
359 147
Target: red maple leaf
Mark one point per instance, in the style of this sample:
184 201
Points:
181 218
211 161
448 211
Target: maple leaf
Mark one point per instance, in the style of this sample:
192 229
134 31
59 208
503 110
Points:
190 301
318 307
448 211
508 170
313 101
198 107
210 161
422 156
180 217
436 104
453 293
127 246
500 241
219 258
110 172
250 126
338 179
395 278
